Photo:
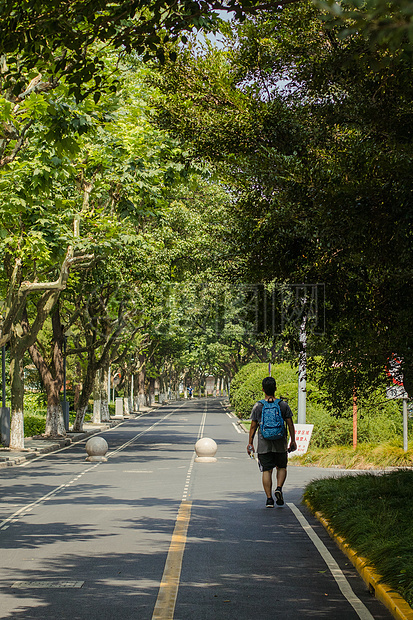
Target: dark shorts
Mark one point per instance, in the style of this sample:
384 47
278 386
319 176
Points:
269 460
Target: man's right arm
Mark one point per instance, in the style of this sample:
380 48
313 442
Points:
253 430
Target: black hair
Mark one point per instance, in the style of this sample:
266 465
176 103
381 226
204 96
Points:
269 386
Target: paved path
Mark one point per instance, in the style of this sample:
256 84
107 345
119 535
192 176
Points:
151 535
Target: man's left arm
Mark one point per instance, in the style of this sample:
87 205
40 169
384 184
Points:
293 446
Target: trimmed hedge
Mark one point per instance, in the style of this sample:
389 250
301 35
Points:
34 425
246 386
378 420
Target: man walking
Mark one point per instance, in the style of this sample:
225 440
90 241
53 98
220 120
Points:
272 453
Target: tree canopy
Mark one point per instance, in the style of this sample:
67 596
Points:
313 132
67 39
281 158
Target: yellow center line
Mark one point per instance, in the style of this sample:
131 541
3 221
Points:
168 590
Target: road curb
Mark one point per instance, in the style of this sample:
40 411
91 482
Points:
226 405
396 604
52 446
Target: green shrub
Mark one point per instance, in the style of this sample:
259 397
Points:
34 425
246 392
35 403
246 387
244 374
379 420
376 423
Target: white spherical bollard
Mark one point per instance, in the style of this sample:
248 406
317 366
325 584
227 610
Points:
96 447
205 449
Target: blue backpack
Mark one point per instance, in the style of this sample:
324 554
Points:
272 423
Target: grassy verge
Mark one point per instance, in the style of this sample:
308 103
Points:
366 456
247 424
373 514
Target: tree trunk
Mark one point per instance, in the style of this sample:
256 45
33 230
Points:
183 379
175 386
17 398
151 392
52 374
141 383
162 389
87 391
80 418
78 385
55 426
127 401
132 391
104 404
126 391
96 418
126 383
200 384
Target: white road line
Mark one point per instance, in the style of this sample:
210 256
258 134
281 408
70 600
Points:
203 421
128 443
106 430
229 415
12 518
359 607
237 428
20 512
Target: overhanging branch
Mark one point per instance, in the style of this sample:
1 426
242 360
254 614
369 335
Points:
16 300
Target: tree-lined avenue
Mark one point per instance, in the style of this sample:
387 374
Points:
92 540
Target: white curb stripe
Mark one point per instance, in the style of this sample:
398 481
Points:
237 428
359 607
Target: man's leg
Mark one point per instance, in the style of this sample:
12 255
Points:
281 476
267 482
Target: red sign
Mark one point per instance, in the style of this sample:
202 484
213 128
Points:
394 370
303 434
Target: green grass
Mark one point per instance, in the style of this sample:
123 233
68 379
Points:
246 423
374 515
366 456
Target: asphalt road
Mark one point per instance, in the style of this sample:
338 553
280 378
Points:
153 535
